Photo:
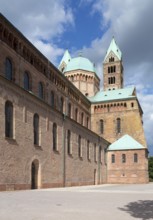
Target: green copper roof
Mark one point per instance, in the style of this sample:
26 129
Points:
81 63
66 57
111 95
125 143
115 49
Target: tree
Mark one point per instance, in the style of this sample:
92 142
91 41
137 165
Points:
150 164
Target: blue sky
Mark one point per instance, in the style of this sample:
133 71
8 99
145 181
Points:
84 20
88 26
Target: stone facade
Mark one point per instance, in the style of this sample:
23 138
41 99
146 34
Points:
23 164
128 171
112 69
87 82
128 111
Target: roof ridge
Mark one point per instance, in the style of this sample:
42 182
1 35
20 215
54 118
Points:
117 94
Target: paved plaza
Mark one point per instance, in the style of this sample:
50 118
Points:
102 202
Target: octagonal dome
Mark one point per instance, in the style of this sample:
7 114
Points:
81 63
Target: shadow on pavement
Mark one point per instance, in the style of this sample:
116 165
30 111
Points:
142 209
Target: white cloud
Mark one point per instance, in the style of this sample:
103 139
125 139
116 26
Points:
51 51
131 24
40 21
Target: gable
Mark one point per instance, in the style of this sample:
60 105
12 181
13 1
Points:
110 55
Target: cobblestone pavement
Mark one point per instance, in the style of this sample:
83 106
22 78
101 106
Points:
102 202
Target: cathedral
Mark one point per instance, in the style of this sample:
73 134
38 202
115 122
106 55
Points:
58 128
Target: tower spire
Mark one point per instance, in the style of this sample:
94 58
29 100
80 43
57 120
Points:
112 67
64 61
113 47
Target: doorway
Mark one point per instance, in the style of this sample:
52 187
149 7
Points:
34 174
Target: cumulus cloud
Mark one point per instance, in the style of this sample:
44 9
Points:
131 24
40 21
51 51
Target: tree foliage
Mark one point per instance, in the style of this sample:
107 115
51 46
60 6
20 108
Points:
150 164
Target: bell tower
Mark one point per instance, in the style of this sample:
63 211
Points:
113 68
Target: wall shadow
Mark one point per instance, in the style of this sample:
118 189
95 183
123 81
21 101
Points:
142 209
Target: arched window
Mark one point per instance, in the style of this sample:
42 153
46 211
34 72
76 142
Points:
8 69
69 142
52 99
54 136
108 108
112 68
100 154
111 59
69 110
118 121
125 105
26 81
36 129
123 158
40 90
101 126
79 146
82 118
109 70
95 153
8 119
135 158
113 158
88 150
114 80
76 114
87 122
61 104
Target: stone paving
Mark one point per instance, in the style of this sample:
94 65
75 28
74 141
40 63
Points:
102 202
